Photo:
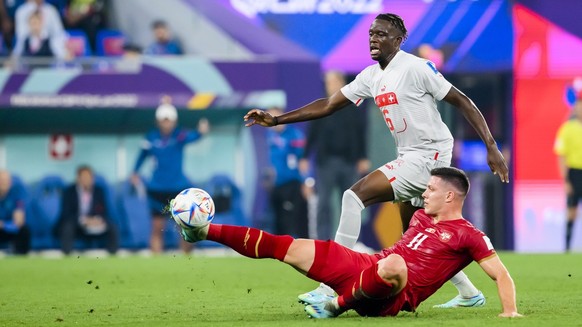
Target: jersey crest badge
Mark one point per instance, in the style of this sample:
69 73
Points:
445 236
386 99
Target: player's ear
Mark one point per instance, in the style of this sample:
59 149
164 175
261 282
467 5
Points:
450 197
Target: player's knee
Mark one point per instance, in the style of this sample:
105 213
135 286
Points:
351 196
392 268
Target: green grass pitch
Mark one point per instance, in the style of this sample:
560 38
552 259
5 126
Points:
234 291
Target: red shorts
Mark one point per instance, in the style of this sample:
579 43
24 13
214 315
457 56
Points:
340 268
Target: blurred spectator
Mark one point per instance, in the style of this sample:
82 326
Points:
568 147
84 214
339 144
86 15
36 43
7 9
12 215
288 198
166 145
163 44
52 28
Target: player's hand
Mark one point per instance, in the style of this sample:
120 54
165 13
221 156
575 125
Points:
497 164
260 117
510 315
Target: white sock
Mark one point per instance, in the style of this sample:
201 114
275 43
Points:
350 220
464 286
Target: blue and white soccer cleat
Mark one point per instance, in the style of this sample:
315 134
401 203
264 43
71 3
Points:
323 310
314 297
461 302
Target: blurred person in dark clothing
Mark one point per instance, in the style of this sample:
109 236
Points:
84 214
339 145
284 180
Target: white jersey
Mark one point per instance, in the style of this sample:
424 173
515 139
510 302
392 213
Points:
405 92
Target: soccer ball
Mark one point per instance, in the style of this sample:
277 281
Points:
192 208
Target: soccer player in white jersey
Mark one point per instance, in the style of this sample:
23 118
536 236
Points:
404 87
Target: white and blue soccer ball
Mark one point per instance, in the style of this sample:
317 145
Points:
192 208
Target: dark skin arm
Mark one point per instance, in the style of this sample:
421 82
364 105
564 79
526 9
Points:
495 159
315 110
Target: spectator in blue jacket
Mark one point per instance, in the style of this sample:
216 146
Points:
286 144
12 215
163 44
166 145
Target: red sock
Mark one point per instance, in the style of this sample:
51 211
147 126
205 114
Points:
370 286
250 242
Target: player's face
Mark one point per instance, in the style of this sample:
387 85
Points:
166 126
385 40
434 196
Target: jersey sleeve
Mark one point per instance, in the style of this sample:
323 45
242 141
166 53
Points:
359 88
188 136
145 146
478 245
431 80
560 142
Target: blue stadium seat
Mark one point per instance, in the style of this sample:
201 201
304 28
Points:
113 208
109 43
45 208
227 201
134 207
78 43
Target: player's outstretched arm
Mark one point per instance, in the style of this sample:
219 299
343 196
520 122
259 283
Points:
316 109
505 287
475 118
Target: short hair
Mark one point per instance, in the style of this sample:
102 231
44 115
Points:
454 176
396 21
159 24
83 168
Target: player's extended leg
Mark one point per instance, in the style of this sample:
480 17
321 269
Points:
257 244
372 188
375 283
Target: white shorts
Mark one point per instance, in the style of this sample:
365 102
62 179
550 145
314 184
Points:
409 175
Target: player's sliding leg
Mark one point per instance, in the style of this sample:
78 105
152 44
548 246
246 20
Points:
250 242
346 235
375 283
373 188
469 295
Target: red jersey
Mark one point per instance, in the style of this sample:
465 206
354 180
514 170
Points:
435 252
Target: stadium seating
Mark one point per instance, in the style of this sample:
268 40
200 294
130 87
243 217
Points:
113 208
45 208
78 43
109 43
227 201
134 207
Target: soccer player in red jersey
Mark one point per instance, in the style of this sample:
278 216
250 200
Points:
438 244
